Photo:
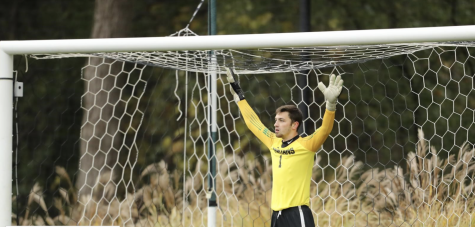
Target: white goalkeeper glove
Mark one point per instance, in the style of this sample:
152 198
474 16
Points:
332 92
236 90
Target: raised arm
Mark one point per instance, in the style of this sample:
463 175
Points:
250 117
314 141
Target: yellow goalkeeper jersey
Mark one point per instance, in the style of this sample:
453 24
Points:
292 164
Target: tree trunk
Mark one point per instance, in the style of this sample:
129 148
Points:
100 136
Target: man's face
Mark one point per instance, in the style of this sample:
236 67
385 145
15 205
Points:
283 125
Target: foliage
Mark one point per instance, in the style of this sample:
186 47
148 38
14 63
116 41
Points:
430 191
53 90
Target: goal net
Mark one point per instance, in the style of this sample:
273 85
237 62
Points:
127 139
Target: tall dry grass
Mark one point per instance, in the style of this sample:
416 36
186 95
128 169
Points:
431 191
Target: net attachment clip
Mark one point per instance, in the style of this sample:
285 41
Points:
18 89
209 193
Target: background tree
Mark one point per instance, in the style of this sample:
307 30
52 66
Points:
100 136
53 91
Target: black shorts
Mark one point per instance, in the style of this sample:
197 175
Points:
300 216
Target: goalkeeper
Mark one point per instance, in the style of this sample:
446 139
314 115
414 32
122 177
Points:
292 155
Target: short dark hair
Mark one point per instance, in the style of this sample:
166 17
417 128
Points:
295 114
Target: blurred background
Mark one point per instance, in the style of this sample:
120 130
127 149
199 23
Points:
53 90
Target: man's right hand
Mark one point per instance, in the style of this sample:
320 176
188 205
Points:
236 90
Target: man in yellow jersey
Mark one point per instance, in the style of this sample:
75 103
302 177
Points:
292 155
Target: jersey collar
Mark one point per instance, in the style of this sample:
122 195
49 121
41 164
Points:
288 142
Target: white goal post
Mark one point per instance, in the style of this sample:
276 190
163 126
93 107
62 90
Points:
334 38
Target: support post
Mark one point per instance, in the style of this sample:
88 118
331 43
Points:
212 203
6 140
302 79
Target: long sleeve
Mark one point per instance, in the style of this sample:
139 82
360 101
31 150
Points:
255 125
314 141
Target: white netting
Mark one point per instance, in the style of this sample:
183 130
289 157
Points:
266 60
400 153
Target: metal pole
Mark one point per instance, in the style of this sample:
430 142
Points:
6 139
212 204
304 16
245 41
302 81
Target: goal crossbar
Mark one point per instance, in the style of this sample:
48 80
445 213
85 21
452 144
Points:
248 41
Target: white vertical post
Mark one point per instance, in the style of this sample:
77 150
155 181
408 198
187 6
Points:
212 94
212 203
6 129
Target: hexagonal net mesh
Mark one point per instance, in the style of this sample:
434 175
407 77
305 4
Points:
400 153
